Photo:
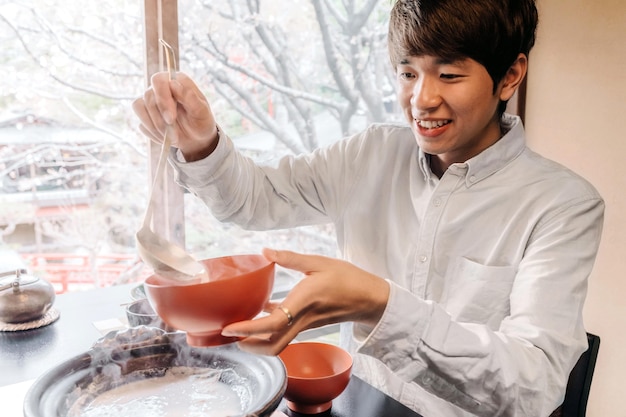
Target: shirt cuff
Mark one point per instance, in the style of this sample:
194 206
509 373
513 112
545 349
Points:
395 337
201 172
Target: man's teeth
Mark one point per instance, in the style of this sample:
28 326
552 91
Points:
428 124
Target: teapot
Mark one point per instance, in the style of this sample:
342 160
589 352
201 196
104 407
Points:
24 297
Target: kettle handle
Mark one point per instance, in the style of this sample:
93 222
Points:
15 283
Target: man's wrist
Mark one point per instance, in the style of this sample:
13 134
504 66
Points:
204 152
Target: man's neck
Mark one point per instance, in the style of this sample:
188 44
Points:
437 166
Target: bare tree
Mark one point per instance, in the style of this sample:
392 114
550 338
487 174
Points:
339 66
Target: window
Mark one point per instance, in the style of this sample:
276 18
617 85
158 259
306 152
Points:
72 167
282 77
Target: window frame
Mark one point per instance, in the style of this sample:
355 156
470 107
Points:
161 22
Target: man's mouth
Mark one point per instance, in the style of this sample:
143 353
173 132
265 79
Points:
432 124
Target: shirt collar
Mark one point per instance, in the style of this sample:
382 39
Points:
490 160
424 161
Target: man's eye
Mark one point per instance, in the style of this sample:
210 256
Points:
406 75
449 76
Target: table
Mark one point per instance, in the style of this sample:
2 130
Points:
25 355
361 400
87 315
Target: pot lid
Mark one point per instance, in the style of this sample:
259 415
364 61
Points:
16 278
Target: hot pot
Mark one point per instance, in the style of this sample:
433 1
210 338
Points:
147 352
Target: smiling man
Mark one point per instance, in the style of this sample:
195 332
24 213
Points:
449 106
465 254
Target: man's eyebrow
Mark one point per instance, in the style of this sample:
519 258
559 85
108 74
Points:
438 61
449 61
444 61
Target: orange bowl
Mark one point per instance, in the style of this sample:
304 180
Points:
316 374
238 288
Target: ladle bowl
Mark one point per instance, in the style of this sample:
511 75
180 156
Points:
165 257
240 286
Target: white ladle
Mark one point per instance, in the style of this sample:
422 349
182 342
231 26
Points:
162 255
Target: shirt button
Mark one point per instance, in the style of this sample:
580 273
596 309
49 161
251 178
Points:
437 202
423 258
472 178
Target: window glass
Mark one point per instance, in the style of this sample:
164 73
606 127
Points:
282 77
73 168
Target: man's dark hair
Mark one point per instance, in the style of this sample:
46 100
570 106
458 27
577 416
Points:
491 32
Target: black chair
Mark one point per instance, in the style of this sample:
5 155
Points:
579 382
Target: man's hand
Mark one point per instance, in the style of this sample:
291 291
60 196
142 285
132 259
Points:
181 104
331 291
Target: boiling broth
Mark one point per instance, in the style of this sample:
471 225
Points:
179 393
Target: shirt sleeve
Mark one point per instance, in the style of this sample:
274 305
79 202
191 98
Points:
293 191
520 368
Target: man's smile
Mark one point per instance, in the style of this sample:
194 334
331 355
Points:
432 124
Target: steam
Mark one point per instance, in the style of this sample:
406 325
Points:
140 354
180 391
233 266
217 269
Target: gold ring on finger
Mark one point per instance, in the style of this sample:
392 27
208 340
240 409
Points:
287 313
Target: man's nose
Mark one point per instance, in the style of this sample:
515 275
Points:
426 94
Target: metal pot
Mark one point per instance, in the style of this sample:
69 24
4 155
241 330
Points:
140 313
24 297
147 352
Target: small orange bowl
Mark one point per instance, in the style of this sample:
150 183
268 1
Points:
237 289
316 374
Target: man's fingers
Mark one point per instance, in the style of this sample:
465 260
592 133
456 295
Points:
194 104
270 343
262 346
163 98
147 125
293 260
266 335
275 322
151 135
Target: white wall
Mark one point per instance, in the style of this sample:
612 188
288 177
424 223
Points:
576 114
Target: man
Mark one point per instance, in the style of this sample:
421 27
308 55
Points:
466 254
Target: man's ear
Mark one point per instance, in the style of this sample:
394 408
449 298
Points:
513 77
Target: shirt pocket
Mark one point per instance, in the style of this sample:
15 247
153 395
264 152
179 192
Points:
476 293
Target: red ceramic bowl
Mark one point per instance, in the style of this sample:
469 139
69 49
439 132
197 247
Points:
238 289
316 374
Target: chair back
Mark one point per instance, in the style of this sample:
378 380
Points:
579 382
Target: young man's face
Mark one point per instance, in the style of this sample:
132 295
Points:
450 106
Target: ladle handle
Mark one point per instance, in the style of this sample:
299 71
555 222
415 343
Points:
167 139
160 175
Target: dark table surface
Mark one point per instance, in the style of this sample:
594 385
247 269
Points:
84 317
361 400
27 354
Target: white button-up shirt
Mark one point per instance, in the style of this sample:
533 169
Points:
488 264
